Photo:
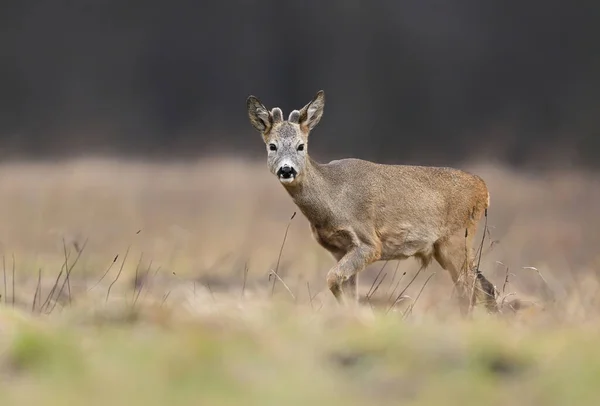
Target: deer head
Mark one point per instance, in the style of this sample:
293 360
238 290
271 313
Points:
286 140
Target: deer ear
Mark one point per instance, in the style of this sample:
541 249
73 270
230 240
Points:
260 118
311 114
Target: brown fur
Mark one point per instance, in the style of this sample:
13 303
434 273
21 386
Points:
362 212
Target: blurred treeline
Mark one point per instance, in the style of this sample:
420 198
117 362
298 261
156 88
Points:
421 81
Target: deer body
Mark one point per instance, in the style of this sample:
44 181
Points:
362 212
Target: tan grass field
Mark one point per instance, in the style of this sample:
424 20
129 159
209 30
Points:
192 317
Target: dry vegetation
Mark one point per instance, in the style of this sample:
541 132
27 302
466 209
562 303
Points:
170 296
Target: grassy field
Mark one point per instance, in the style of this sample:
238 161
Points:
170 299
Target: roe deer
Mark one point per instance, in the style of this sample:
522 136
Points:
362 212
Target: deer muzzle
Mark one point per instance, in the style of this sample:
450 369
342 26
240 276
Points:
286 173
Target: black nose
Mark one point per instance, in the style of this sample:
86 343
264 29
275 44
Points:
286 172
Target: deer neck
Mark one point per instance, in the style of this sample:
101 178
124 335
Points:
312 194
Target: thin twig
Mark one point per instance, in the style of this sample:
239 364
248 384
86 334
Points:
412 305
482 240
277 277
137 268
150 284
52 290
143 283
376 277
473 298
405 288
118 274
105 273
393 278
538 272
46 303
135 278
165 297
283 283
486 230
315 295
280 252
399 299
548 292
506 276
156 272
67 266
38 289
377 287
396 287
464 270
504 297
505 284
68 273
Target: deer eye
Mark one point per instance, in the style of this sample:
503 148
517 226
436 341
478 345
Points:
272 147
301 147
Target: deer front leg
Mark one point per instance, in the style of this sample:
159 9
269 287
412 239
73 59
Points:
342 278
350 287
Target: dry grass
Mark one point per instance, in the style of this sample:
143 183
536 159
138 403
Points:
147 250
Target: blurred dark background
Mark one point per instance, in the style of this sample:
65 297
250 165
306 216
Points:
426 81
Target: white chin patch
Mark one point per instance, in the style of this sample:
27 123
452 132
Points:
287 180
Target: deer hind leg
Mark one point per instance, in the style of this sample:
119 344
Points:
343 277
455 255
